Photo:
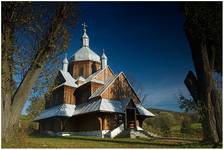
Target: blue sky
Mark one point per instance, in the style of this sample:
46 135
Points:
146 40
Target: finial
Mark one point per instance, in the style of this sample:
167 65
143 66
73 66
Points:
84 26
103 60
103 55
65 61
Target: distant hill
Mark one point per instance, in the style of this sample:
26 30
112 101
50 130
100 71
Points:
158 111
172 122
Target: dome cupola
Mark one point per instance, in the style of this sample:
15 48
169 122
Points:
85 53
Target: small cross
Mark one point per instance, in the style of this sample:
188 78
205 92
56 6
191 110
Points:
84 26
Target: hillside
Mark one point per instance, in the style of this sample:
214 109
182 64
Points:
174 124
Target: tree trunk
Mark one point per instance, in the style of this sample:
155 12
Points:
192 85
217 104
7 49
12 105
205 86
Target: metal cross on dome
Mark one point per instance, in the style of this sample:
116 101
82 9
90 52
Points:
84 26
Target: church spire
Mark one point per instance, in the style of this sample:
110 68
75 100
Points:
85 38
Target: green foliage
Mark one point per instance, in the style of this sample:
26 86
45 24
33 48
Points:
166 120
37 106
186 104
168 123
27 126
186 125
165 127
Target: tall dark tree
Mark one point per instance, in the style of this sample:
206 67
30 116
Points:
48 23
203 28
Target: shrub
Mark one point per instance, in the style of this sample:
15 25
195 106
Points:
186 125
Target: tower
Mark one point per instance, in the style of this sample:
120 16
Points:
85 61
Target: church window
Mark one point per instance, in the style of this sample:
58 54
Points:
93 67
81 71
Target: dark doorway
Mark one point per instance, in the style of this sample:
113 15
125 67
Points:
131 118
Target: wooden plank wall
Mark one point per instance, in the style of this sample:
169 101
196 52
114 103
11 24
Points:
119 89
87 66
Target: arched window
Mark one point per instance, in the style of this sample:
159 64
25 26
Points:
93 66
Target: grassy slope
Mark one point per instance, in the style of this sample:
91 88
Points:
91 142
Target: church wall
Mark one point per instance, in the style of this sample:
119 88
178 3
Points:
95 86
56 98
87 122
69 97
111 121
104 75
83 68
83 93
51 124
119 89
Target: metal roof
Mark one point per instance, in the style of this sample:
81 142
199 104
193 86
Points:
102 105
90 106
69 80
85 53
106 105
66 110
80 78
101 89
144 111
94 75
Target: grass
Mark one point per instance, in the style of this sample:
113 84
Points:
93 142
196 131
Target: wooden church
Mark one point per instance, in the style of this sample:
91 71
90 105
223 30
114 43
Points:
90 99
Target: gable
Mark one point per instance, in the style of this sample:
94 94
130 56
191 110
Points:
119 88
65 78
130 104
59 79
104 75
